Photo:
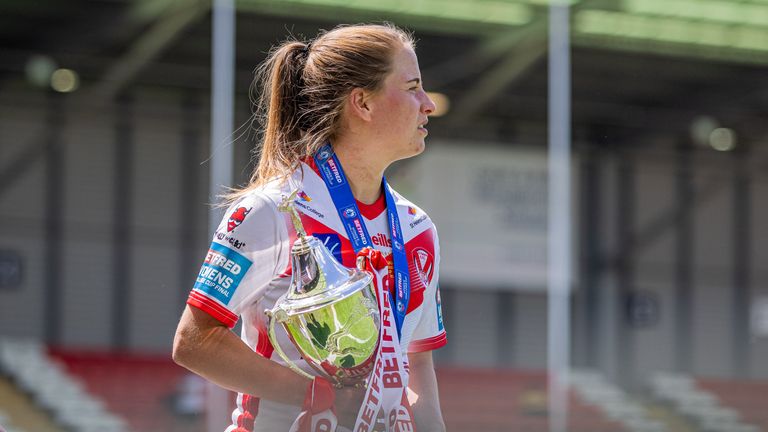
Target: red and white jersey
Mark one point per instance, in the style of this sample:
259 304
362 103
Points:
247 269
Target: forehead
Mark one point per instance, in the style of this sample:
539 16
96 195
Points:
405 65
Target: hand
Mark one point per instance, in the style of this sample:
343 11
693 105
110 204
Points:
348 403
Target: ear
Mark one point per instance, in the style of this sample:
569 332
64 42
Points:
359 104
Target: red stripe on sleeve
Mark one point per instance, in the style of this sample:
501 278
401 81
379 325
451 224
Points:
212 308
428 344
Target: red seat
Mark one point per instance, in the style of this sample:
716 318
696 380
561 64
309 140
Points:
504 400
139 388
748 398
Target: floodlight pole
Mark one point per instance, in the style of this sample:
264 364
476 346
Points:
222 102
221 156
559 215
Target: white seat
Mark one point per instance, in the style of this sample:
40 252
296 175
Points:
50 385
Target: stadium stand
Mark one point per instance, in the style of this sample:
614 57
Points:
617 405
151 393
508 400
748 398
51 388
710 407
19 413
140 388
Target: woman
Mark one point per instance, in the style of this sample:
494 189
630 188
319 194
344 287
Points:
355 92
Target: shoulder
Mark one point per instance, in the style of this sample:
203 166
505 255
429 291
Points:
253 203
412 217
263 197
253 212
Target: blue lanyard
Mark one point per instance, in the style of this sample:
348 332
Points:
349 213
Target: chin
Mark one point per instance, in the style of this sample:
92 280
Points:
417 149
421 149
420 145
413 150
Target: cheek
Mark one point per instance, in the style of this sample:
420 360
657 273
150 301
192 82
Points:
398 104
398 114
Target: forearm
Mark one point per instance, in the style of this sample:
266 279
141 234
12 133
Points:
427 414
423 393
217 354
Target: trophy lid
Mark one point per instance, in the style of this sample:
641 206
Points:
317 279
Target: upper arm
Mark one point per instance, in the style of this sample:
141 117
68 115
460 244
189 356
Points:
247 251
423 392
196 328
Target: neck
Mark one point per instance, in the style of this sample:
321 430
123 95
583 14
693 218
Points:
362 170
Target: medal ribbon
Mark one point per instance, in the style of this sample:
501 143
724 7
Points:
349 213
385 407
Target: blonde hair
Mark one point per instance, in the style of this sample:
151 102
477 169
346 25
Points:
303 89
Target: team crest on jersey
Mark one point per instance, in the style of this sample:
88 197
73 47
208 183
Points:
237 217
424 263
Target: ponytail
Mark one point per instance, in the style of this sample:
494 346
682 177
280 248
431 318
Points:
280 103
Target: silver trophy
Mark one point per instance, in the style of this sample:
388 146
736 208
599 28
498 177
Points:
329 312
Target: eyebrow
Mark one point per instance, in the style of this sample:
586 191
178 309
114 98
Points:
416 80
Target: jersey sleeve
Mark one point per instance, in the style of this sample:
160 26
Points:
430 332
246 253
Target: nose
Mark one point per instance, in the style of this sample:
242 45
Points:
428 106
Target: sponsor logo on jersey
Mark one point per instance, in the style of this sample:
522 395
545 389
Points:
332 242
221 273
418 220
224 237
309 209
304 197
439 308
398 245
381 240
237 217
424 263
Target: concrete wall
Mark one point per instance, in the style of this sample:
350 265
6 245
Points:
165 223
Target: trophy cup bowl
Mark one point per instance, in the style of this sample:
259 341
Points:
330 313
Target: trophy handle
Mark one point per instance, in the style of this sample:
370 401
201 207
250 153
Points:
276 344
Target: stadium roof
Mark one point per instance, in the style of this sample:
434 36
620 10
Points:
640 67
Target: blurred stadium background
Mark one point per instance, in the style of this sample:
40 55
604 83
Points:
104 148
